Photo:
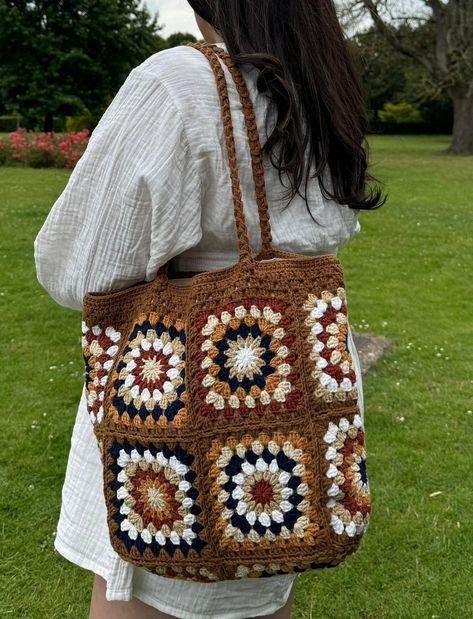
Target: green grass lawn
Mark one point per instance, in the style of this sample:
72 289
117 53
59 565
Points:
408 277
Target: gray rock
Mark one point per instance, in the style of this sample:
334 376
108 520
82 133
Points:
370 348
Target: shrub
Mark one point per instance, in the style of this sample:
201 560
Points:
400 113
84 120
43 150
70 147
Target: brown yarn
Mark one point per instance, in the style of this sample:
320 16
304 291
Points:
226 409
253 141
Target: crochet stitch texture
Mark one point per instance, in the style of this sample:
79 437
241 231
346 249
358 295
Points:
226 411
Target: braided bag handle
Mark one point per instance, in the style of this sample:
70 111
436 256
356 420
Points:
255 151
242 232
212 52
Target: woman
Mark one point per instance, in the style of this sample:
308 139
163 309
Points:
153 185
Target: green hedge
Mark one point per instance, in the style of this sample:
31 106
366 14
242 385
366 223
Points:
9 123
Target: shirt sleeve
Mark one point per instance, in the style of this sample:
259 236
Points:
132 202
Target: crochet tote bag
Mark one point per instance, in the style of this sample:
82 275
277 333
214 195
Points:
226 410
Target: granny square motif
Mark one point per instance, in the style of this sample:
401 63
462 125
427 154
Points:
262 491
149 380
246 359
154 498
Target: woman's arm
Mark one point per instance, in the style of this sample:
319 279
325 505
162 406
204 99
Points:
132 202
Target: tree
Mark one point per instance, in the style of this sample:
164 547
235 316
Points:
447 59
180 38
391 77
383 70
58 57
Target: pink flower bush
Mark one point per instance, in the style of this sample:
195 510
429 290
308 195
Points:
43 150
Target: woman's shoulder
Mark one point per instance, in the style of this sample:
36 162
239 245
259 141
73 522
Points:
177 69
185 80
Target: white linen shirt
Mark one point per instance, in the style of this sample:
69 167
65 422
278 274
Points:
154 185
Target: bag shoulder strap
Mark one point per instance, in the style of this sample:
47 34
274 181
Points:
213 54
255 150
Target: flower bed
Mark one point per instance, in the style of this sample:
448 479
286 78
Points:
43 150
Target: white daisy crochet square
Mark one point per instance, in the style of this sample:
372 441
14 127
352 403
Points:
333 372
99 347
349 500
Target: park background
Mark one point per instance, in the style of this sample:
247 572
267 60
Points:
409 273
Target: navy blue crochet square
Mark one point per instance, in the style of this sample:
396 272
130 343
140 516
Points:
155 498
149 383
262 490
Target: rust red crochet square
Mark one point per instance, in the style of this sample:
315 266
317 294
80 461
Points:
245 359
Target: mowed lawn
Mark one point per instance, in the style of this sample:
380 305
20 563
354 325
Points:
408 277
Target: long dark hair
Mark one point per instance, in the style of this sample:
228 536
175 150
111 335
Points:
306 68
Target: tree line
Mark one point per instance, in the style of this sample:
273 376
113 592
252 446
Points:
58 58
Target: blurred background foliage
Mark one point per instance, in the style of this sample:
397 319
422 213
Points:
401 95
62 63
